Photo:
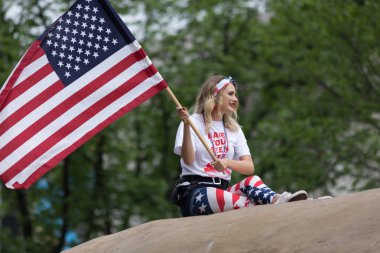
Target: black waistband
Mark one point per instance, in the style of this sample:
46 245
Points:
212 181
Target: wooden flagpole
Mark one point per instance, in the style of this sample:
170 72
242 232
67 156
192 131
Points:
194 127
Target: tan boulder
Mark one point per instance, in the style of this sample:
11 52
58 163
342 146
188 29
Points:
349 223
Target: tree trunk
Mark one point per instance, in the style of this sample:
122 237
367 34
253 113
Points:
26 224
65 205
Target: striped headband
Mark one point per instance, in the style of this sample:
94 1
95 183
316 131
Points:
219 86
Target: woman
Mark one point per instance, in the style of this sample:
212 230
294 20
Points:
204 184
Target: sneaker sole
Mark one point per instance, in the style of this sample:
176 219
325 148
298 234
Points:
300 195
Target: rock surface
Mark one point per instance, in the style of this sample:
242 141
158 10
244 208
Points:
349 223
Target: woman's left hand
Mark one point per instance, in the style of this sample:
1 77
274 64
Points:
220 164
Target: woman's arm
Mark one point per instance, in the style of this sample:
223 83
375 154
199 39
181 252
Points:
187 151
243 166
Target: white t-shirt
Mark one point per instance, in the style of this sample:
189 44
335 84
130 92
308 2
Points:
234 146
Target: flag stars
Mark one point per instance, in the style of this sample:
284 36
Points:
80 37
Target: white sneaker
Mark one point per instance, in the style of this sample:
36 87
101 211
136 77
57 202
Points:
299 195
288 197
325 197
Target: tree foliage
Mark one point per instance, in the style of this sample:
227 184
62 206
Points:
308 74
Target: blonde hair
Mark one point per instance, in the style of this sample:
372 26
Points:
207 101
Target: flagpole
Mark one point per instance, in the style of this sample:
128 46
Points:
205 144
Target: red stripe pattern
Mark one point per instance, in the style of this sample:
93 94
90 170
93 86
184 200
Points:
211 200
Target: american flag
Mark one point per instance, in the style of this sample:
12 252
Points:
84 72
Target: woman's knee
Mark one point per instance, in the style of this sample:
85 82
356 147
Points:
253 179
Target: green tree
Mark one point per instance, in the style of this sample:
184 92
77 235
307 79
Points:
319 70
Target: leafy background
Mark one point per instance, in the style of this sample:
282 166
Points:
309 88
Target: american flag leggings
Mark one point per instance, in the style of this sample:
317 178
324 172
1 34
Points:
208 200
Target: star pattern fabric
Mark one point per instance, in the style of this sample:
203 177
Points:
209 200
201 205
259 195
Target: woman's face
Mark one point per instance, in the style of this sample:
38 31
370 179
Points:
230 100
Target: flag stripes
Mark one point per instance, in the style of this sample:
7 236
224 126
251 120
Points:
29 105
35 83
37 63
